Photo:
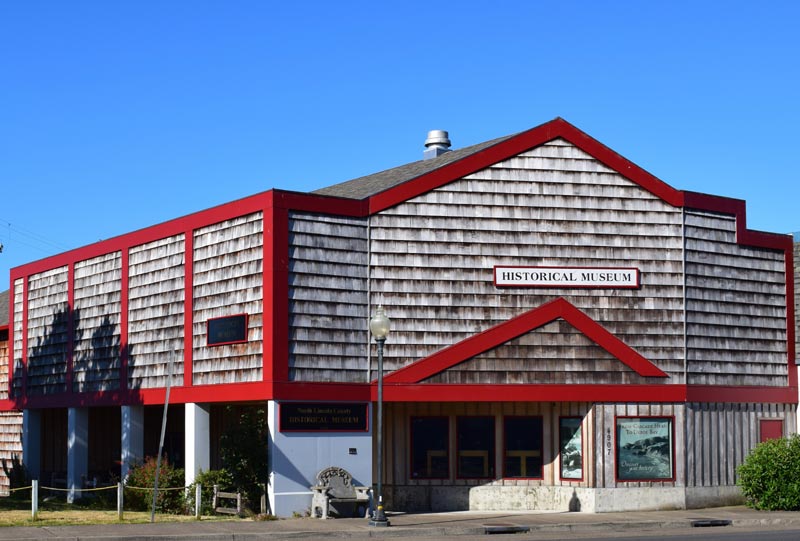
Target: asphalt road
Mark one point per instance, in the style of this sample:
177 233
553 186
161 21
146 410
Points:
690 534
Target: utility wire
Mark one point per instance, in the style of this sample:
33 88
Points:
30 239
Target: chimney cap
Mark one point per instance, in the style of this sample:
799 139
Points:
437 138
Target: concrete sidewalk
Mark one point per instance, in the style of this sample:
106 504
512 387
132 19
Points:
431 525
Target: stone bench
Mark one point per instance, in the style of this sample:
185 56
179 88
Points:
335 485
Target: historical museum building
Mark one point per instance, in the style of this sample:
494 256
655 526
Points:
567 332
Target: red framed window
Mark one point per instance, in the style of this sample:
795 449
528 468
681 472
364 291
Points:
522 447
430 457
475 448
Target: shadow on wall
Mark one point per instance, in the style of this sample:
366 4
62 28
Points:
96 368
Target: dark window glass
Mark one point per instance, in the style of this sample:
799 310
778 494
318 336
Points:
523 447
475 447
429 457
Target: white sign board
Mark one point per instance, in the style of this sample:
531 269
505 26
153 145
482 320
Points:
564 277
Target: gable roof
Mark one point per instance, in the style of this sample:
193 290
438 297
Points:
366 186
533 319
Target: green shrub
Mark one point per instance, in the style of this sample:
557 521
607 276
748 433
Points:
207 480
770 475
142 476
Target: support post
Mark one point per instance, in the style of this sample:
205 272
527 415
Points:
120 500
35 499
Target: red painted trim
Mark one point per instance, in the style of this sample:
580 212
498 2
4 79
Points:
123 322
561 456
513 328
741 394
188 308
517 144
428 392
672 449
279 307
233 392
329 392
304 202
267 295
8 405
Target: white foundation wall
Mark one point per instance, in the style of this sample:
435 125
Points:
297 457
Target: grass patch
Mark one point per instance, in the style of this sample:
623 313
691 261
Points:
56 512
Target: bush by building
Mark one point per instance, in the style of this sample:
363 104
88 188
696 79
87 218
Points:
770 475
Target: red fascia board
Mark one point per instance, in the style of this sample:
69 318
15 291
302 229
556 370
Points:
557 128
513 328
323 204
742 394
8 405
738 209
232 392
533 393
331 392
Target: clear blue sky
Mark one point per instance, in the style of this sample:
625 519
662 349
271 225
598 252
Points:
119 115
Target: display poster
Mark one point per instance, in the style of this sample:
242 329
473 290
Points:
571 438
644 448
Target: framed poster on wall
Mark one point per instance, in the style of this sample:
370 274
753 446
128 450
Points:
571 447
645 449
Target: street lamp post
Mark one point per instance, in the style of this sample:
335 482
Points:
379 327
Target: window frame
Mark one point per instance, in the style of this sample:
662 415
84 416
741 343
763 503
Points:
561 455
491 459
411 457
541 450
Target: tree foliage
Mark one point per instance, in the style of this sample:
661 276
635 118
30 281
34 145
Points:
770 475
244 453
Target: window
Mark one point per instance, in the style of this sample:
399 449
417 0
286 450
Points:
475 436
429 444
644 449
523 447
570 437
770 429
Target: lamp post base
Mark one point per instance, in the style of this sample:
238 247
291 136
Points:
379 518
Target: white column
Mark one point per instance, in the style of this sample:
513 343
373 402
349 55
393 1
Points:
77 450
32 442
132 433
197 429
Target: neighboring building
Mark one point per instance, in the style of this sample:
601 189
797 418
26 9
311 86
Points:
10 420
568 332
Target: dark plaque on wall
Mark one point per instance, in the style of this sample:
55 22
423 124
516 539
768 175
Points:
327 417
227 330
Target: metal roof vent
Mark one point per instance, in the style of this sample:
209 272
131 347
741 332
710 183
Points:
436 144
